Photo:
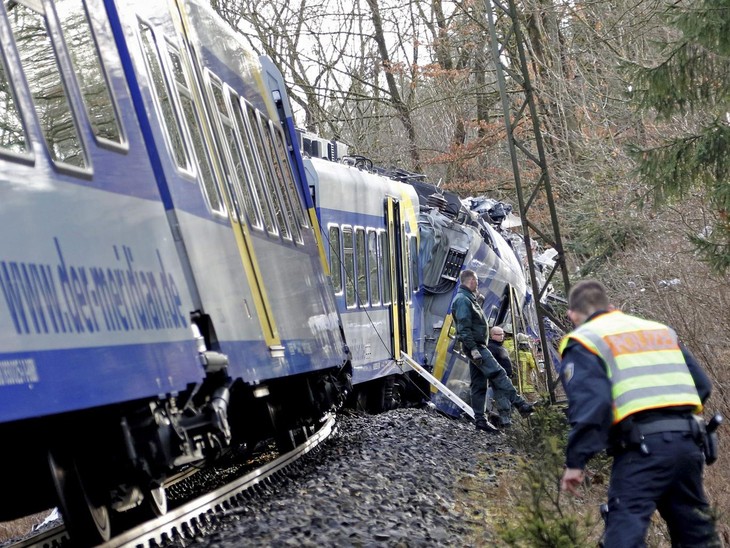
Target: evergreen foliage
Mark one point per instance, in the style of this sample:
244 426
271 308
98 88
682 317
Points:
542 516
693 82
599 236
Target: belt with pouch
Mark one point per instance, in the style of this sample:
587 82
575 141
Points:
705 435
679 424
632 433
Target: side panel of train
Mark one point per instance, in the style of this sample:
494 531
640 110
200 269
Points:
95 301
204 98
371 238
145 184
91 279
274 322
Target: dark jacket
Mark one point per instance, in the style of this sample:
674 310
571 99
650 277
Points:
471 325
590 411
501 355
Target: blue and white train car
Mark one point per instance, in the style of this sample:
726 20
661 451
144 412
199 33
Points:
163 290
371 237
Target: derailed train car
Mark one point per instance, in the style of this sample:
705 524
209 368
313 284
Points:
353 200
150 313
167 283
454 239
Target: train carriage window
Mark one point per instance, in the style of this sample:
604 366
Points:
281 170
88 69
216 88
192 122
415 279
291 187
384 249
169 120
335 259
362 271
12 133
46 87
244 141
272 192
373 267
349 260
239 178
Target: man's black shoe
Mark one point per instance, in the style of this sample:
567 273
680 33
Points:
526 409
487 427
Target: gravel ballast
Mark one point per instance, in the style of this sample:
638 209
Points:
401 478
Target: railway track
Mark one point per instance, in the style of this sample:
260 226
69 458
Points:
188 519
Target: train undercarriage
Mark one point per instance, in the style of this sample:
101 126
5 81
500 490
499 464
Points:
106 468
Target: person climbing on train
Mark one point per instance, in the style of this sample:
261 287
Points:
471 330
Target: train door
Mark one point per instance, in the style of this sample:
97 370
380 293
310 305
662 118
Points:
396 260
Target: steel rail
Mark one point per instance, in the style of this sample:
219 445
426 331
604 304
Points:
184 520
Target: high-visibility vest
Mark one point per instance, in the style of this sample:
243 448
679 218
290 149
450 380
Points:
643 362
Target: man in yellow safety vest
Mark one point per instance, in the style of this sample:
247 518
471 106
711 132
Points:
633 390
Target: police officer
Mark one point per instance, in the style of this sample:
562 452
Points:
633 389
471 329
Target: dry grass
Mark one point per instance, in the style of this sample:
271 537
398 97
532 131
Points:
483 497
515 501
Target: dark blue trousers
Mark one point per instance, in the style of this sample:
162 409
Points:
505 394
668 479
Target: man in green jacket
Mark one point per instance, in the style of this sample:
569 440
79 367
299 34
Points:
471 329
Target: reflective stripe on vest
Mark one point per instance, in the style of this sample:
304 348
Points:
643 360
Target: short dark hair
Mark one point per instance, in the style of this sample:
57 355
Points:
588 296
467 274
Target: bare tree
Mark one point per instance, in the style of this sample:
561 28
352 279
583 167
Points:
355 71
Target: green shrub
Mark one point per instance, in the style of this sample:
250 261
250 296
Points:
541 515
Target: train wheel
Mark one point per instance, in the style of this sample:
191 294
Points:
153 505
398 396
155 502
86 518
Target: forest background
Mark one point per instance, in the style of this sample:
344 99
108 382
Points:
633 101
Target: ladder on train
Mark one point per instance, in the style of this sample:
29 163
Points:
418 368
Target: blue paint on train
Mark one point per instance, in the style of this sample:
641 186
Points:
138 101
30 380
298 163
74 299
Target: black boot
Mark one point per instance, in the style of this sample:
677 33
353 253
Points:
526 409
486 426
